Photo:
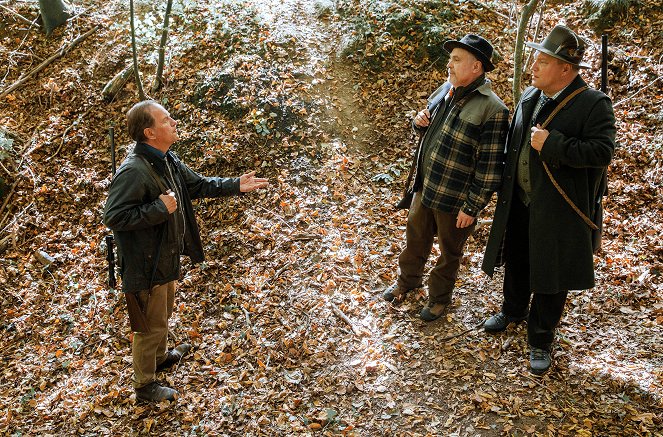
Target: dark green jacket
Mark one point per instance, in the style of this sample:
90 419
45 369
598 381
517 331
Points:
140 221
580 145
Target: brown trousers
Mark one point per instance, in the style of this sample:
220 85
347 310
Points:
149 349
423 224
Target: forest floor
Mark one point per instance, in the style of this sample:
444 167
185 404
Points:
268 86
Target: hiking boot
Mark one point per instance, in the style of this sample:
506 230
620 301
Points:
432 311
174 356
395 293
539 361
500 321
154 392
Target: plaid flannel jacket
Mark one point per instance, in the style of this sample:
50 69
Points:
463 157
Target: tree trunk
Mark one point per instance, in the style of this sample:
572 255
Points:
528 11
139 83
156 85
116 83
53 14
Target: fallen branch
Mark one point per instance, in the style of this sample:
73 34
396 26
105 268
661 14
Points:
58 54
341 315
451 337
637 92
117 83
21 17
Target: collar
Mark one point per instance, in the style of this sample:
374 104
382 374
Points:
578 82
477 84
557 94
155 157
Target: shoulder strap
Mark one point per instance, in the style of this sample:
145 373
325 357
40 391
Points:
552 115
562 105
154 175
162 232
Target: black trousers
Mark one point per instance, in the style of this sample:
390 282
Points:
545 310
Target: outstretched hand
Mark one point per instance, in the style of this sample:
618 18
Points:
248 182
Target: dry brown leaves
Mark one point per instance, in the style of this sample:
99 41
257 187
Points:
290 333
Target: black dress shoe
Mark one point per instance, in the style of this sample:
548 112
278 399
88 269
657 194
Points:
539 361
500 321
173 357
154 392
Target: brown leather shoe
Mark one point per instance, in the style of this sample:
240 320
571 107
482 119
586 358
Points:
174 356
432 311
155 392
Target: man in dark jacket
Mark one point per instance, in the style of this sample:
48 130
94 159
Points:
547 245
459 168
150 212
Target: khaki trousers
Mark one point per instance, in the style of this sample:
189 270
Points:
423 224
149 349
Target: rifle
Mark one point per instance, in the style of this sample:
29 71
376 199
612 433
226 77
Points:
110 241
603 188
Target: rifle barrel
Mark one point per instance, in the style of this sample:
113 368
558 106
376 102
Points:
604 63
110 257
111 134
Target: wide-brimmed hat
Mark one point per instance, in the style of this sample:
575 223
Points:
562 43
476 45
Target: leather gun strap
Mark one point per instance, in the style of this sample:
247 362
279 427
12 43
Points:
545 166
562 105
162 231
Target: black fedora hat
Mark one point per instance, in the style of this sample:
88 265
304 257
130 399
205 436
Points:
562 43
476 45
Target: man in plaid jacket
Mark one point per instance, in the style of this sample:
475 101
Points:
459 167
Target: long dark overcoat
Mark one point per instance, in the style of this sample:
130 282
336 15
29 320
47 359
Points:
580 144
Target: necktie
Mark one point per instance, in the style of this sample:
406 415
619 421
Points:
543 99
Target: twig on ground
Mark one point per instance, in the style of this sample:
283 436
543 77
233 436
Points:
341 315
276 215
9 196
637 92
451 337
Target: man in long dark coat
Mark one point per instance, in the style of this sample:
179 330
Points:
547 245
